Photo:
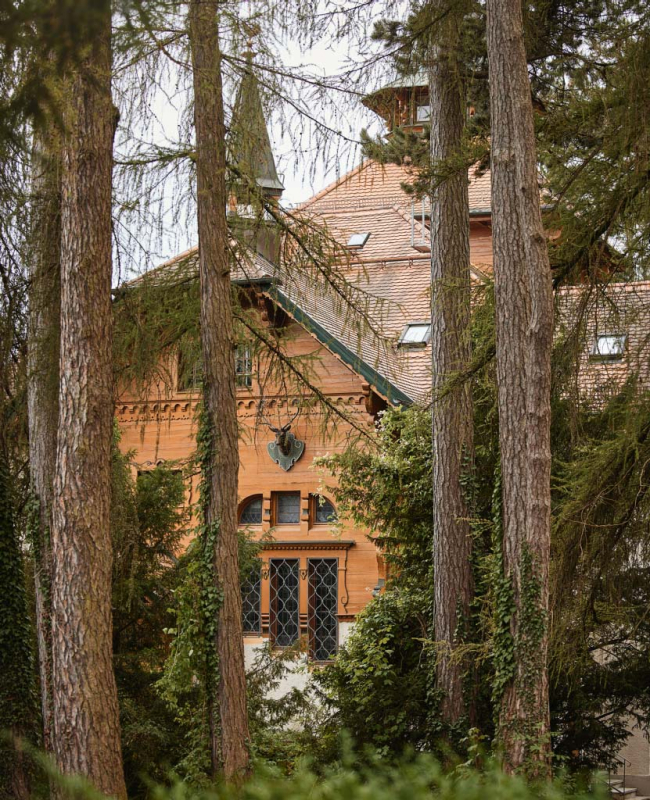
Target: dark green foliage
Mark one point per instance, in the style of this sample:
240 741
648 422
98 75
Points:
147 523
388 492
600 665
600 634
414 778
18 714
379 689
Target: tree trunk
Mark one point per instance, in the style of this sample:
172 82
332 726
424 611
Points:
524 325
86 715
43 389
220 388
450 352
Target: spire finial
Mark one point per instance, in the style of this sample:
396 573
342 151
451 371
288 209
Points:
252 31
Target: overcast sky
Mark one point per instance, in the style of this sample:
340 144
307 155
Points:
306 162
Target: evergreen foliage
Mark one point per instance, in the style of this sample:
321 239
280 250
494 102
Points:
18 703
599 652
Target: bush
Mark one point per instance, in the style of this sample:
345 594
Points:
416 778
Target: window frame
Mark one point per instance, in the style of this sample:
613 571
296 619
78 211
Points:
275 497
596 355
245 598
364 235
196 380
244 355
420 105
314 498
244 505
273 596
312 608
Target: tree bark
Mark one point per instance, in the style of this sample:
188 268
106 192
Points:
450 352
231 753
43 388
524 325
86 715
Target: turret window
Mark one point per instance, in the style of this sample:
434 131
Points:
423 111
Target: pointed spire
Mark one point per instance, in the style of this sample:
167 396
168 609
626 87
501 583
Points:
250 145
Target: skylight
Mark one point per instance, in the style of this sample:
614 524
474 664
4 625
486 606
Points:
609 346
415 334
358 239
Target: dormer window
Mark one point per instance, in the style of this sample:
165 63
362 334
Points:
608 347
415 334
358 240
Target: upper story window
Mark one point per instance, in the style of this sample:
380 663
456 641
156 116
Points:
285 508
189 374
358 239
244 366
251 511
608 347
322 510
415 334
190 371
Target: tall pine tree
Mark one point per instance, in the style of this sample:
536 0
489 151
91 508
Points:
85 708
524 332
230 730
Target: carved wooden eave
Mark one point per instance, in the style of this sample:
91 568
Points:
312 544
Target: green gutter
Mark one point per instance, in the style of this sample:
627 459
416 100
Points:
382 386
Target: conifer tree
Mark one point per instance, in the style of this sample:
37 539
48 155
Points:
85 708
450 353
230 731
524 331
43 388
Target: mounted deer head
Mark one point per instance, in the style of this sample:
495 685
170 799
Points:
282 434
286 449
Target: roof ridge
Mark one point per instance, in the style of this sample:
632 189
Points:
335 184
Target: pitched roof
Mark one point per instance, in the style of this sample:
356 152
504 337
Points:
373 186
389 276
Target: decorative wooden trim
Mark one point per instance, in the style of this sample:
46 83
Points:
310 545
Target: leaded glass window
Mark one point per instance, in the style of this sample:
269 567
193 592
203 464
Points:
323 608
284 617
323 510
251 592
287 508
251 513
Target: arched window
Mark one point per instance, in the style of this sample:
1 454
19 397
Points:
322 510
251 511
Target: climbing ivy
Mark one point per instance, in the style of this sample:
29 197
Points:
18 705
